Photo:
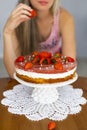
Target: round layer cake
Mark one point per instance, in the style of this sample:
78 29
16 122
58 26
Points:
43 67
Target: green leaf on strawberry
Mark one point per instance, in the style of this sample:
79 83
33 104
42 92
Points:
53 60
45 61
57 55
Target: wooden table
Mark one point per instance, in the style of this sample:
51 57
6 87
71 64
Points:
9 121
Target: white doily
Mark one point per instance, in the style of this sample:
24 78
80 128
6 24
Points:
21 101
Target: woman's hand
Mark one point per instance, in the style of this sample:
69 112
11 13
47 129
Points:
20 14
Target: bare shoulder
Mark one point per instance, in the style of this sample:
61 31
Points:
65 15
65 18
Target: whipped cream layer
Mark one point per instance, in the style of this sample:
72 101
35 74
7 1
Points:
44 75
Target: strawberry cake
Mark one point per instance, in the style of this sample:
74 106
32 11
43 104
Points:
44 68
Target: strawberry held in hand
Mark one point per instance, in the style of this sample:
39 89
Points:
33 13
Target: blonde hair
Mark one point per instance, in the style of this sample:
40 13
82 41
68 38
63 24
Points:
27 31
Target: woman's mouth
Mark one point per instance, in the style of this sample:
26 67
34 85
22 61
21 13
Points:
43 3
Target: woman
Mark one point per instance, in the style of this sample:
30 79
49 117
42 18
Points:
51 30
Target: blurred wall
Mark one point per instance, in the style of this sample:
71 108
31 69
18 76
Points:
77 8
6 6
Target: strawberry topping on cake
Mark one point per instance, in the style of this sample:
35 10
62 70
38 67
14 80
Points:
44 65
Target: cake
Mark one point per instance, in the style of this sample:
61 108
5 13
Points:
44 67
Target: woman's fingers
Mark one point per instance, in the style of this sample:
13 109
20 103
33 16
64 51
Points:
22 12
21 7
21 19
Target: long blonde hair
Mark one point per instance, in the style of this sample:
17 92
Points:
27 31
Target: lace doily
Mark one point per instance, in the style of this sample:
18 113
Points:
20 101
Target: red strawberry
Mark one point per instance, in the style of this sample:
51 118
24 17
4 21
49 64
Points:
43 61
35 59
33 13
51 125
58 59
48 61
70 59
28 65
58 66
20 59
45 54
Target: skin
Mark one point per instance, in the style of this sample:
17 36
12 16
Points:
44 20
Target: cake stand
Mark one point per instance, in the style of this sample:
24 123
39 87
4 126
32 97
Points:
46 93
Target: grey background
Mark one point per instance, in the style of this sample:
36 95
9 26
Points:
78 8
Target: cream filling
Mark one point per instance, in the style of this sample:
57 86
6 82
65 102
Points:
45 76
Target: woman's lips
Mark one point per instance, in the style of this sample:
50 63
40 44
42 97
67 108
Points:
43 2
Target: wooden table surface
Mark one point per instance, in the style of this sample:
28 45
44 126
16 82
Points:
9 121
